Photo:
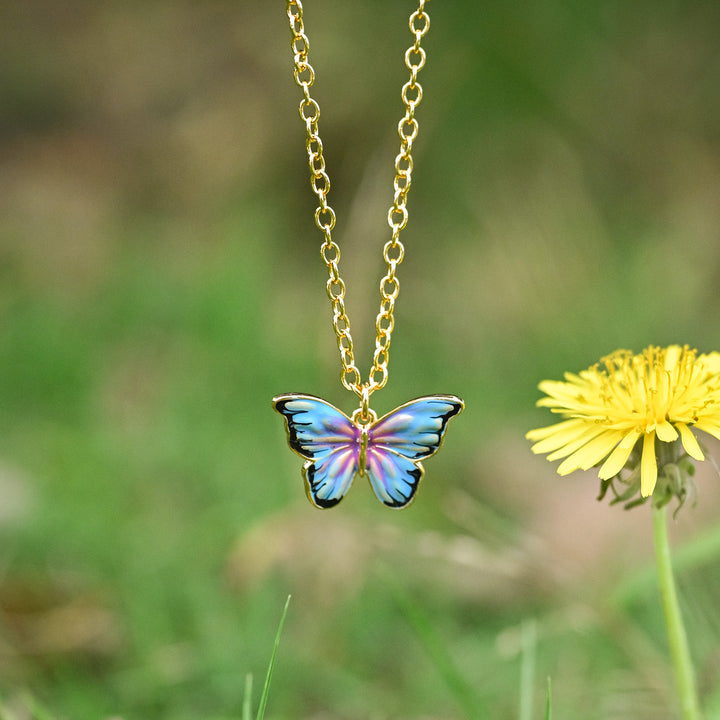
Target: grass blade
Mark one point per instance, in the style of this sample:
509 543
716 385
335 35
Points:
271 665
548 701
528 634
437 651
247 698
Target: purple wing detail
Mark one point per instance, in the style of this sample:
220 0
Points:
400 439
415 429
327 439
393 477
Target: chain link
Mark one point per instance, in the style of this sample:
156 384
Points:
393 251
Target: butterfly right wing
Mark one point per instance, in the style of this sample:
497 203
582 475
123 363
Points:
399 440
327 439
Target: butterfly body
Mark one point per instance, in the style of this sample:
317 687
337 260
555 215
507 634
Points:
386 451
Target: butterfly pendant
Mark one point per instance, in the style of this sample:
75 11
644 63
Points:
387 451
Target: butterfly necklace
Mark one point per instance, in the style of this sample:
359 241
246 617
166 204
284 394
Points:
336 447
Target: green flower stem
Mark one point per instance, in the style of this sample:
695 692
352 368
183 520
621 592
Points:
677 639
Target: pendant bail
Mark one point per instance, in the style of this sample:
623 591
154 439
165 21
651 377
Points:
364 416
365 412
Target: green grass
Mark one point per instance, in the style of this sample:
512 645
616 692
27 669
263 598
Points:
246 715
548 701
139 425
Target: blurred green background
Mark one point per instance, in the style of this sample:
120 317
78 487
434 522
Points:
160 281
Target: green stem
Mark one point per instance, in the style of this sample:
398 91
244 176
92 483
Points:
677 639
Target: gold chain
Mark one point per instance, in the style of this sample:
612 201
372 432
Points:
393 250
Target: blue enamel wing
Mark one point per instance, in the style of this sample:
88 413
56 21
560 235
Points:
387 451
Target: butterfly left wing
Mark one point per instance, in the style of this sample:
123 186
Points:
327 439
399 440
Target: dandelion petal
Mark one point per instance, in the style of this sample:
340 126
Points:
591 453
555 436
619 456
666 432
648 469
690 443
576 443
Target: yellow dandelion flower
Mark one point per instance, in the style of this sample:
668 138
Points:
626 402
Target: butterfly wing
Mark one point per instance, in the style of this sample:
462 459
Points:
400 439
327 439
